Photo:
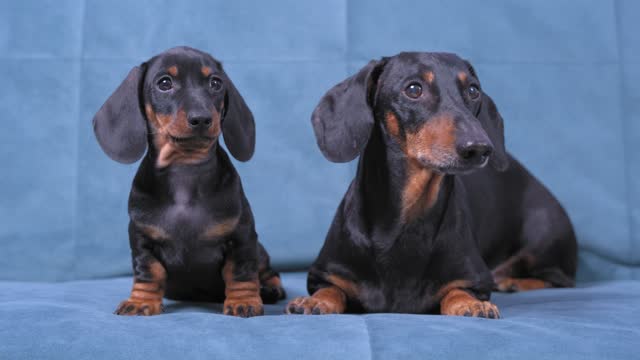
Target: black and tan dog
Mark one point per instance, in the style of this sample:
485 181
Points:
191 231
418 231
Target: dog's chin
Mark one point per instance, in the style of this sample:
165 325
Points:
455 167
192 142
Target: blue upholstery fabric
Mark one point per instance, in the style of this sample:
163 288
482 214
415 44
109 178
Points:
74 321
564 76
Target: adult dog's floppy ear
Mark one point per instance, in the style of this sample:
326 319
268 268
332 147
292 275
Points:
119 125
343 119
493 124
238 126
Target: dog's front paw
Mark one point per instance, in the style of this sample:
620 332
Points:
314 306
139 307
245 307
461 303
472 307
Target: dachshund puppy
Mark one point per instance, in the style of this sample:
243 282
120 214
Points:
425 227
191 229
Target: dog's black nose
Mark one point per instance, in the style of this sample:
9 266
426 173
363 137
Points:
475 153
199 122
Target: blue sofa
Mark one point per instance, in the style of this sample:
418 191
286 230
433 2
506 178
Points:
564 74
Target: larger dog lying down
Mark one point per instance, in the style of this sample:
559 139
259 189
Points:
425 227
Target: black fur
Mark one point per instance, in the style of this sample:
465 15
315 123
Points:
119 125
482 217
346 104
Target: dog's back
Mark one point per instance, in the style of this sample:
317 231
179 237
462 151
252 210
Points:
520 227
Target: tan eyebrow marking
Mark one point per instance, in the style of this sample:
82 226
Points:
173 70
462 76
428 76
205 70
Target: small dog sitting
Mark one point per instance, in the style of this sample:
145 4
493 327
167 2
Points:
191 229
425 227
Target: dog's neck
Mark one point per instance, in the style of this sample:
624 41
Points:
185 175
394 191
169 153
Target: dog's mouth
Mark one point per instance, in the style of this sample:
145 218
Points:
192 142
455 166
462 166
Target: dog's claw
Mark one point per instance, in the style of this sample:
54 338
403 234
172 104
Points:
247 308
312 306
134 307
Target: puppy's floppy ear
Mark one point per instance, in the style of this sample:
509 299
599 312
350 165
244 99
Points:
343 119
238 126
493 124
119 125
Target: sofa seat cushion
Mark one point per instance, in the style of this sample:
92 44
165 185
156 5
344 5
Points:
74 320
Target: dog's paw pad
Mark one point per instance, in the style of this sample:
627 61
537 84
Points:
243 307
312 306
474 308
134 307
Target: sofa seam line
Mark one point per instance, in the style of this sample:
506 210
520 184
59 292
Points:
623 130
366 328
78 115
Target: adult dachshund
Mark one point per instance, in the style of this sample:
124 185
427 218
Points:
425 227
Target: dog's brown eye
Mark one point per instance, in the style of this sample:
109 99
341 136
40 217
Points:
473 92
414 90
165 83
215 83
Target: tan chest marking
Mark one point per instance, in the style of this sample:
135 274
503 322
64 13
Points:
153 232
222 228
420 192
435 142
171 154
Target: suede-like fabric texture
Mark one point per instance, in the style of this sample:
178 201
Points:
74 320
564 74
